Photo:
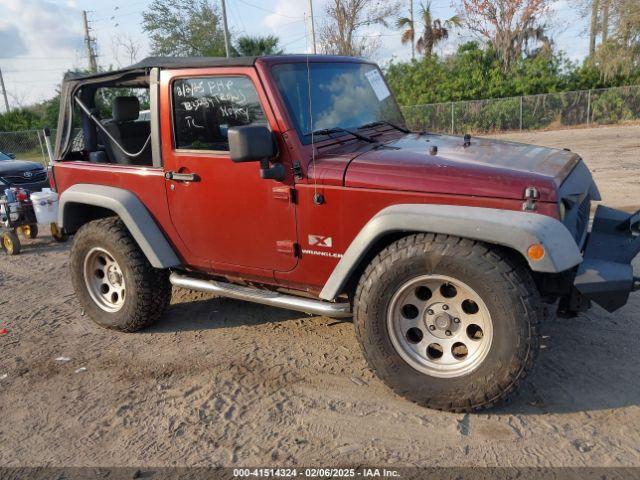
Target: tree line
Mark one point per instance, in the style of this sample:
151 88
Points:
512 51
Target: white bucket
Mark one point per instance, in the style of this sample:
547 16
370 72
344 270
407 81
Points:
45 205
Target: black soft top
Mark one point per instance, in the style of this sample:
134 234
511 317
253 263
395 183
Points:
137 75
166 62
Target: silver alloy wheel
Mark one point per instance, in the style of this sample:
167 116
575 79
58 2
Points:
440 326
104 280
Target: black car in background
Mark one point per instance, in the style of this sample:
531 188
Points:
31 176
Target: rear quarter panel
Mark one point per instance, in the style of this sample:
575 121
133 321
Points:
148 184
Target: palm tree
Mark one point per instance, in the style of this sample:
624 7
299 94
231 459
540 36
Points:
434 30
536 36
255 46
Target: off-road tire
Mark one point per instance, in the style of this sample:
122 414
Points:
504 285
148 289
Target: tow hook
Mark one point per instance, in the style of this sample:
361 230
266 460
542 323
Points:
530 195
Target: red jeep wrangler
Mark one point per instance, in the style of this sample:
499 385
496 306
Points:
292 181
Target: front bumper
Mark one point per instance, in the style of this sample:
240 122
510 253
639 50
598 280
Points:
605 275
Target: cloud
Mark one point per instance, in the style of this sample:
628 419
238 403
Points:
45 27
11 41
287 12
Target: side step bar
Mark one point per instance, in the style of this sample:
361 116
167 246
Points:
265 297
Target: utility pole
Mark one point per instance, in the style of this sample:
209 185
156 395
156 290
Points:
4 92
593 30
226 28
413 29
313 28
605 21
93 64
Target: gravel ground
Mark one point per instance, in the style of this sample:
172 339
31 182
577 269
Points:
220 382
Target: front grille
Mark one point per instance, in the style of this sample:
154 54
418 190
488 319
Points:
583 216
576 219
38 176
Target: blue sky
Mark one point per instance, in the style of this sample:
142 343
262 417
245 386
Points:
40 39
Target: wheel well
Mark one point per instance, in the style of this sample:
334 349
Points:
77 214
384 241
373 250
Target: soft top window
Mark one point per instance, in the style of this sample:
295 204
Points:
105 98
73 130
110 122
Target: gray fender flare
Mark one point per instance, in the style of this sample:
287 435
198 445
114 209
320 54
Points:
131 211
516 230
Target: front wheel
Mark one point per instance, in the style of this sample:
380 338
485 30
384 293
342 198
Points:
113 280
11 243
447 322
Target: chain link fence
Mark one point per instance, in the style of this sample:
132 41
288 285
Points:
26 145
530 112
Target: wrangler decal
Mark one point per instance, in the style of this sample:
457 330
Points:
322 254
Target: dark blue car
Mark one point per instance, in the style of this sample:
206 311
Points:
31 176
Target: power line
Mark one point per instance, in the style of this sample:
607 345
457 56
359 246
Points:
304 20
58 69
119 15
238 16
48 82
267 10
117 7
41 58
294 41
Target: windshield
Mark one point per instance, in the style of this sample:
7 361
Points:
343 95
4 156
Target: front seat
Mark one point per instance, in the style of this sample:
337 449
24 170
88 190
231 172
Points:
130 133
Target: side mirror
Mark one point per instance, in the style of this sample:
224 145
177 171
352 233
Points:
255 143
251 143
11 155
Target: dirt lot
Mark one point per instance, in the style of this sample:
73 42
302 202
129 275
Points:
219 382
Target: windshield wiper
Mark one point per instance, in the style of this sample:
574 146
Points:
384 122
329 131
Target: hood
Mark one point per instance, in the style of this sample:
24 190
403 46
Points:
488 168
18 166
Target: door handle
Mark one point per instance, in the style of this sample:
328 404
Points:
182 177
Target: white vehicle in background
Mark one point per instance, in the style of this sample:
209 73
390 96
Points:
145 116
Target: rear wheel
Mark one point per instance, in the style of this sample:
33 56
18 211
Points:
114 281
29 231
447 322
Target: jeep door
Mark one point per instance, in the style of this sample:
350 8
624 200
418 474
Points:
226 215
